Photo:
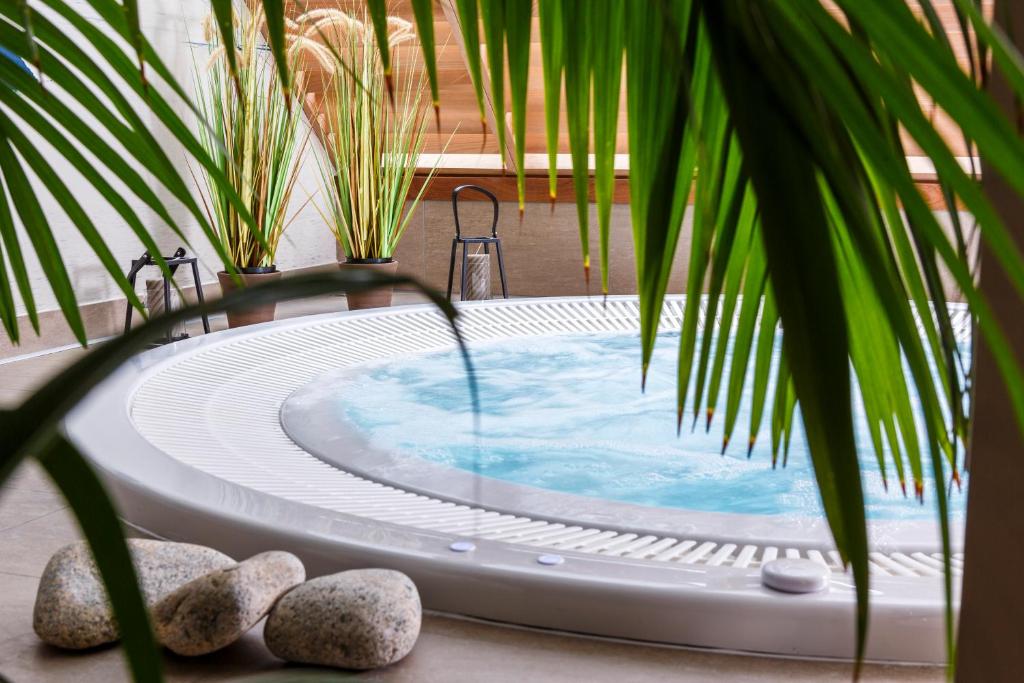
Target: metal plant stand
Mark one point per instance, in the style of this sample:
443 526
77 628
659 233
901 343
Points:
177 259
466 241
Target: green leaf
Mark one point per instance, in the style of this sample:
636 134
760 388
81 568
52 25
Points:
783 405
802 263
608 18
27 24
732 236
34 220
111 13
50 179
766 331
100 526
423 12
9 238
665 69
8 313
125 173
469 23
753 286
137 139
274 12
85 135
131 15
518 23
224 14
736 260
578 54
492 15
552 48
379 16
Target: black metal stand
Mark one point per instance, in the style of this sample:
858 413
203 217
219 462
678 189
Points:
466 241
177 259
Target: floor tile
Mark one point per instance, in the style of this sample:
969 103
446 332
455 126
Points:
11 398
19 594
29 476
19 505
26 548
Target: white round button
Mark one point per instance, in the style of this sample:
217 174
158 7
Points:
550 560
462 547
795 575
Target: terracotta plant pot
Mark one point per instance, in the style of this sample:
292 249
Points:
374 298
249 315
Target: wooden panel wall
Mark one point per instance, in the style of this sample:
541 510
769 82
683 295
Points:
460 127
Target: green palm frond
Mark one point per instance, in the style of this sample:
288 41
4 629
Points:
784 121
552 46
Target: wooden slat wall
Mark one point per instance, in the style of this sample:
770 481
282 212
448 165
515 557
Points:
460 127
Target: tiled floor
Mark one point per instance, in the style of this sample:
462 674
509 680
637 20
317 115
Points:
34 522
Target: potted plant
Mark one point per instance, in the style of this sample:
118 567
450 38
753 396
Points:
255 140
371 139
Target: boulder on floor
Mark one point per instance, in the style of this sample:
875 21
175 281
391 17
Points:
360 619
215 610
72 609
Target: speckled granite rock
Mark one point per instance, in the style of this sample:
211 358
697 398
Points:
72 610
217 609
360 619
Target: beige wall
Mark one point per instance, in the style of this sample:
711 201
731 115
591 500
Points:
542 253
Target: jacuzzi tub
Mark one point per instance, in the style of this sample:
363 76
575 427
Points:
189 438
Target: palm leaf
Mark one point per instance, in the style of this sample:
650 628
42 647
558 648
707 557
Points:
274 14
56 187
102 529
518 23
43 243
578 55
9 239
607 28
423 12
753 286
224 13
766 331
469 24
552 44
492 15
665 69
378 10
135 137
131 15
802 262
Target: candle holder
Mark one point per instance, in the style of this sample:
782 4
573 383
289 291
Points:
173 262
487 242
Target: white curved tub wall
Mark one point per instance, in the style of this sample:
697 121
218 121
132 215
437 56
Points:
192 453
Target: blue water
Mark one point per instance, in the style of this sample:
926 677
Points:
566 413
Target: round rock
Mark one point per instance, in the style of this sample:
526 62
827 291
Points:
215 610
360 619
72 609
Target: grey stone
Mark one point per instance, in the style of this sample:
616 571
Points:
360 619
72 609
217 609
